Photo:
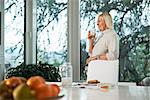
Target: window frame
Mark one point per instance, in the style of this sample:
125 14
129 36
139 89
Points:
73 29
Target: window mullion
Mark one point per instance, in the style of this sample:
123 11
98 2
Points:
2 40
30 33
74 37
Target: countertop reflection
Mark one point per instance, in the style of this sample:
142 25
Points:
94 92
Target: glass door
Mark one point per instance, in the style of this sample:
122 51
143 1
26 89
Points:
14 32
52 32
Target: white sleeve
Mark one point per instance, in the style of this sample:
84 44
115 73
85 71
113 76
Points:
113 48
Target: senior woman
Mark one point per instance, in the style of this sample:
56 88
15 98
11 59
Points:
105 47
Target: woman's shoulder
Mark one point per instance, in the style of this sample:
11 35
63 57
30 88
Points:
111 34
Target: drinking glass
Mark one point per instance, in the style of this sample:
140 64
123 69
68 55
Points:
66 74
91 34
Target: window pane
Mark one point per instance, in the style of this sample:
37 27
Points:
132 23
14 31
52 31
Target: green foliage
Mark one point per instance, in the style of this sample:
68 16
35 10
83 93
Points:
130 22
83 57
48 9
49 72
50 3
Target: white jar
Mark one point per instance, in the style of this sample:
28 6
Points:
66 74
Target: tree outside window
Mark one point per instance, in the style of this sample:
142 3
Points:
14 32
132 24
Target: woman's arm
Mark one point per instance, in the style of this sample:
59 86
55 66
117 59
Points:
91 42
91 45
98 57
113 48
102 57
90 59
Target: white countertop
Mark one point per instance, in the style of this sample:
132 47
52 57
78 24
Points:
119 92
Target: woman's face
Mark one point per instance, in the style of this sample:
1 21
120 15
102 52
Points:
101 23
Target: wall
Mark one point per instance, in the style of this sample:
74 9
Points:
2 40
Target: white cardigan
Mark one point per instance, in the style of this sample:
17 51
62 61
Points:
109 44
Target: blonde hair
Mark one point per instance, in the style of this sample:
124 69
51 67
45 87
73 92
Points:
108 19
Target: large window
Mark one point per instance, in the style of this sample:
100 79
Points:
132 23
52 31
14 32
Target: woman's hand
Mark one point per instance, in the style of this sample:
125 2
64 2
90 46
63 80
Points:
103 57
98 57
90 59
91 35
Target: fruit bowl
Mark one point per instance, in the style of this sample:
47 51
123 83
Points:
61 95
34 88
